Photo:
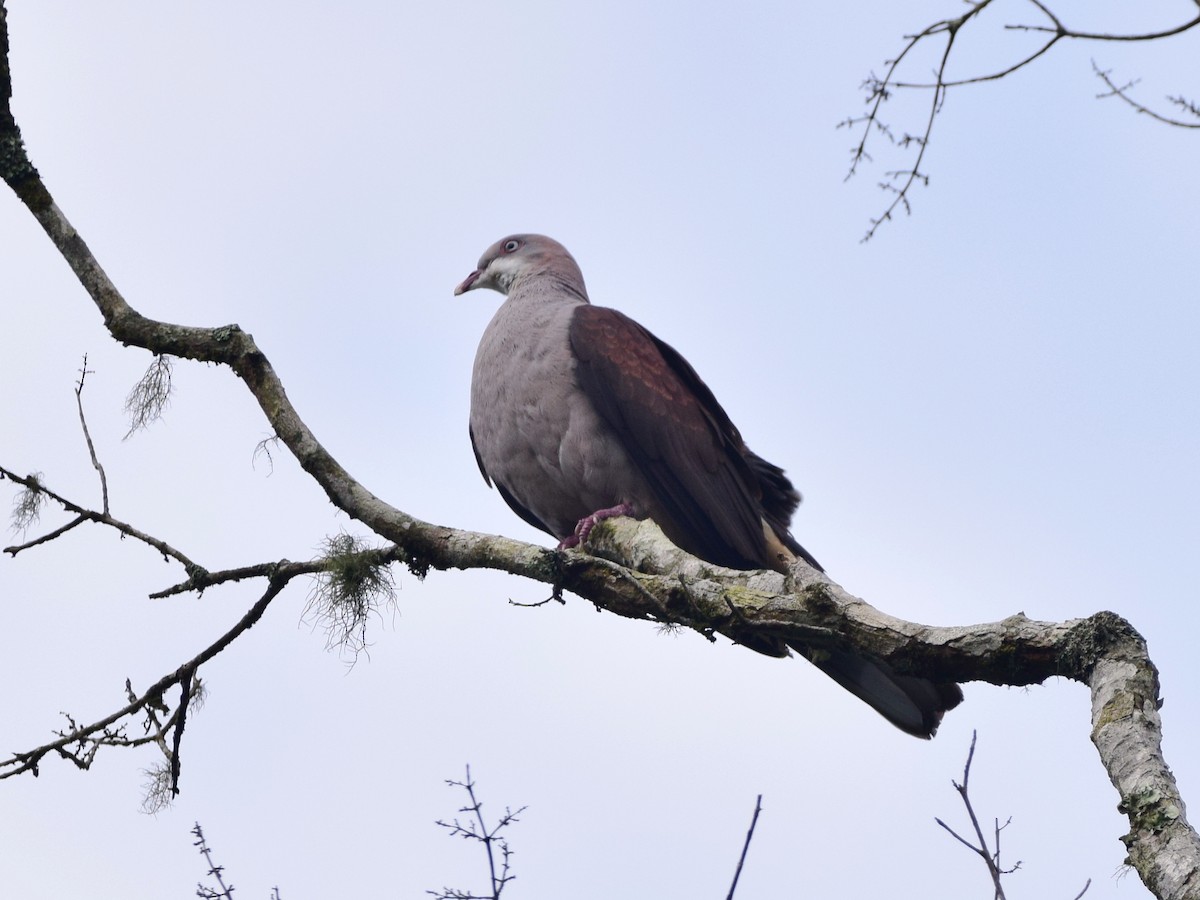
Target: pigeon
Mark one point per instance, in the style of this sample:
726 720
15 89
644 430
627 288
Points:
579 414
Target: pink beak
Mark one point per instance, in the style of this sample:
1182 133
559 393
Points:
468 282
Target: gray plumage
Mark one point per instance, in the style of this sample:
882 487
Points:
578 413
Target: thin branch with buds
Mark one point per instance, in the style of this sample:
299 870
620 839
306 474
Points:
83 514
476 829
223 891
81 742
899 182
1122 92
990 856
353 581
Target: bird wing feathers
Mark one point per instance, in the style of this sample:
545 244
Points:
706 495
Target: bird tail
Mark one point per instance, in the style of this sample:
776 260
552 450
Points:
779 500
914 705
794 545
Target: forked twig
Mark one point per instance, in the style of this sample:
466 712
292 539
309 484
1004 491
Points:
899 182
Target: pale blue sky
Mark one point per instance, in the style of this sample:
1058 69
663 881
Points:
989 409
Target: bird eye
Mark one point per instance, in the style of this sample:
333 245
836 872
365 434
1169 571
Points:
511 246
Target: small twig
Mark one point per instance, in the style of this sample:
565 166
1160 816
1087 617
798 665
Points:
745 847
900 182
951 29
214 871
90 515
477 808
29 761
477 830
990 858
87 435
535 604
1100 36
1123 93
200 579
46 538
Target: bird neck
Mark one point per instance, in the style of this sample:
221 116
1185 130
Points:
548 287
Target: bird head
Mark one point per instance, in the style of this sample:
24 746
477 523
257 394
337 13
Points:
521 256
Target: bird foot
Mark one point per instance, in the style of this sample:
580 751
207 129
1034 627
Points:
586 524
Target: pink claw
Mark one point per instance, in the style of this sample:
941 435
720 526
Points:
586 524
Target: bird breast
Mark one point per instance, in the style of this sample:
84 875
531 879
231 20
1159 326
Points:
536 434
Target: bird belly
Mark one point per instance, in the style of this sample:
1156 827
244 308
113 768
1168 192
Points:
536 435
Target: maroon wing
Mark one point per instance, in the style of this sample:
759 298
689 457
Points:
708 488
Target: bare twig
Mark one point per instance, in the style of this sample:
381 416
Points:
88 739
87 435
1122 91
535 603
49 536
1059 28
354 576
476 829
28 505
991 858
745 847
900 181
222 891
83 514
913 175
225 892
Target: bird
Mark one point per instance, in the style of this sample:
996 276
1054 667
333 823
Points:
578 414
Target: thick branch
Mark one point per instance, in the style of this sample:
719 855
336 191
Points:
1103 651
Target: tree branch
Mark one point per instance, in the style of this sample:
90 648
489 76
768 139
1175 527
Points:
476 829
1122 92
745 848
991 858
86 736
900 181
82 514
87 436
